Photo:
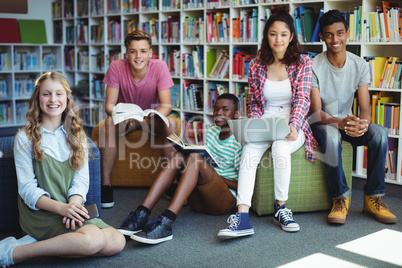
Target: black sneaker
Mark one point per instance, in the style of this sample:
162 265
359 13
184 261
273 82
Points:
134 222
107 200
157 231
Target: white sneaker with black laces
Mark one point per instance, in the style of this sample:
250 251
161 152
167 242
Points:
284 217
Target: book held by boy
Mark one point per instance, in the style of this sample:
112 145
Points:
179 145
124 111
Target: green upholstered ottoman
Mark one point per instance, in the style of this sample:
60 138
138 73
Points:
308 187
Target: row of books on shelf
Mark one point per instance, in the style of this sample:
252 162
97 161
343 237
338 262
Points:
193 63
385 112
97 7
70 36
82 8
82 32
97 33
5 113
49 60
245 27
57 10
214 90
171 4
220 69
3 89
241 63
113 6
58 32
193 27
25 61
241 93
306 23
193 96
172 58
193 129
4 61
129 26
91 115
170 30
98 87
83 60
68 8
218 27
130 6
21 111
187 4
24 87
384 24
175 94
98 61
69 58
391 160
386 72
114 31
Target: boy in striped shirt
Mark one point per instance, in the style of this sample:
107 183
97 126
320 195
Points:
208 190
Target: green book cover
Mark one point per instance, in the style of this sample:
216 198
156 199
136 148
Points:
307 19
32 31
211 58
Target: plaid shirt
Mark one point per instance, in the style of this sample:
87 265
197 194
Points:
300 80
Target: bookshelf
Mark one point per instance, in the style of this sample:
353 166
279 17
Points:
92 33
20 66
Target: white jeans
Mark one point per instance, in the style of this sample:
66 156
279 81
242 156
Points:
252 153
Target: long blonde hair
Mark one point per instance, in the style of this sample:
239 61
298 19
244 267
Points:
75 136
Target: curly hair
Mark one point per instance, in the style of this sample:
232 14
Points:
75 136
292 54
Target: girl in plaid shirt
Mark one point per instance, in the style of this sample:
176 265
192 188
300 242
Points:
279 85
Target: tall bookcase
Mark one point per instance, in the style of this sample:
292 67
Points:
21 65
92 33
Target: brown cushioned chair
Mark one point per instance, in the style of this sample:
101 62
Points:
139 157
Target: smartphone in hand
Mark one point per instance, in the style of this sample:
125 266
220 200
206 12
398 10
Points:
92 211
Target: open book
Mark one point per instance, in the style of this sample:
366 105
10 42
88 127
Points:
124 111
178 144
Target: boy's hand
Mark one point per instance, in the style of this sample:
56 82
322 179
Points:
292 136
354 126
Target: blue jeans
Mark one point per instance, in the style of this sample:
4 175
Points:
330 140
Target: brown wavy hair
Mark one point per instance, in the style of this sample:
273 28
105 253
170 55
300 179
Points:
137 35
292 54
75 136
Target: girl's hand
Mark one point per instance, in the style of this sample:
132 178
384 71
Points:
74 214
292 136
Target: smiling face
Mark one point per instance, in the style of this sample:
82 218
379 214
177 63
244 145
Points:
52 99
335 37
279 37
138 54
224 110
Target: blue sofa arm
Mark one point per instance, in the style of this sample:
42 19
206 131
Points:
9 189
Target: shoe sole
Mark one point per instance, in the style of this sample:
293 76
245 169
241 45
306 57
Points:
233 234
336 220
128 233
150 241
287 228
107 205
380 219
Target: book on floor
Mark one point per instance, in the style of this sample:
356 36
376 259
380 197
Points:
124 111
179 145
